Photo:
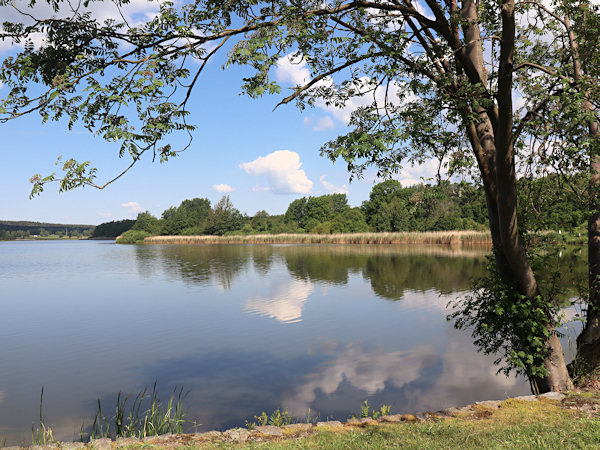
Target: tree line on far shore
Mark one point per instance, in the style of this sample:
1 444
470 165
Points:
13 230
390 208
544 205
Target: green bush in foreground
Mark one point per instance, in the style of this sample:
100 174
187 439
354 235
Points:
133 237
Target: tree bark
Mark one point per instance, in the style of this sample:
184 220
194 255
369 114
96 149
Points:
588 342
591 332
491 137
558 378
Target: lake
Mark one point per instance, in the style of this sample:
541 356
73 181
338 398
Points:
243 328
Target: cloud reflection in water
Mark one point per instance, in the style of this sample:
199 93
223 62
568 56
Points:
284 303
366 370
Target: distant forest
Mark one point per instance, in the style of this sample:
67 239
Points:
11 230
390 207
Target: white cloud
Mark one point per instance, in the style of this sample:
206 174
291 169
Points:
133 207
223 188
331 187
293 70
324 123
106 215
282 169
284 303
412 175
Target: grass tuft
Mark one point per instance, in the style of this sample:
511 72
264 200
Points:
145 416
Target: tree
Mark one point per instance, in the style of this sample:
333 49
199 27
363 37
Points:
381 194
308 212
260 221
190 216
146 222
564 93
224 217
432 96
296 212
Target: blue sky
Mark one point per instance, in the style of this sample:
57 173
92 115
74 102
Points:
262 159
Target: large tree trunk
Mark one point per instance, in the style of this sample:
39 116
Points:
491 137
591 331
588 342
558 379
506 181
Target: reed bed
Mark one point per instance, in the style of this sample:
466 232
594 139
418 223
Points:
452 238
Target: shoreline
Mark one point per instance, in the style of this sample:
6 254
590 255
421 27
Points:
450 238
296 432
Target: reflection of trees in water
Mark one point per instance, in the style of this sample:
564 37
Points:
200 264
321 263
391 269
263 257
146 259
390 276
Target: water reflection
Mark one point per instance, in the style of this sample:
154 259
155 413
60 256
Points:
198 265
244 328
284 301
366 370
391 270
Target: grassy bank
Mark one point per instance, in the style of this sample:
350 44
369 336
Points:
565 422
478 238
513 424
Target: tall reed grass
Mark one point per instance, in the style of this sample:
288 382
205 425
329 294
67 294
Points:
428 237
42 435
145 416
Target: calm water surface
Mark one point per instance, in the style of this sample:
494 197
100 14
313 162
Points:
244 328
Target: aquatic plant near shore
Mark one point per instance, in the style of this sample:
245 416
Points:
367 412
43 434
276 419
146 416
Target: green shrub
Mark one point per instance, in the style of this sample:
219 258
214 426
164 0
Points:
133 237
